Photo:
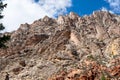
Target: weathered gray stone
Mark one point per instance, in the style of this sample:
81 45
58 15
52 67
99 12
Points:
77 45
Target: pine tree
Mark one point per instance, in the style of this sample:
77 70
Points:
3 38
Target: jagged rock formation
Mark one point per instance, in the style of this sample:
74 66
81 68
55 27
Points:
67 48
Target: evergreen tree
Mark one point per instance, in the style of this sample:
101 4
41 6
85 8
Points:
3 38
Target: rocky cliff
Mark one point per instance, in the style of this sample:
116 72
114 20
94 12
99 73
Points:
67 48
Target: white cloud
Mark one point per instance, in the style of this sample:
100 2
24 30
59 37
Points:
105 9
22 11
114 5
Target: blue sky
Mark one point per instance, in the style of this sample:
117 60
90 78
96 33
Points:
27 11
86 7
83 7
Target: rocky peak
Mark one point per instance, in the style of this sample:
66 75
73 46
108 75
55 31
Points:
73 16
60 20
67 48
46 19
24 27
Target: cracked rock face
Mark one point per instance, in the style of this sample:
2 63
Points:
114 47
67 48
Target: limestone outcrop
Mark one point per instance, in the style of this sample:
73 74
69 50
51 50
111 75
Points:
67 48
